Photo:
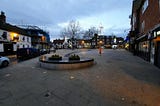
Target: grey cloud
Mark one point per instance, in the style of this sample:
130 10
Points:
51 12
42 11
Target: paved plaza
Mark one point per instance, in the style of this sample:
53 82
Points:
116 79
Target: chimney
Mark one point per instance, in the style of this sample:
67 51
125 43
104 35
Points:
2 18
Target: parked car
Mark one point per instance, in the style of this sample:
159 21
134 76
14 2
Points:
44 51
4 61
26 53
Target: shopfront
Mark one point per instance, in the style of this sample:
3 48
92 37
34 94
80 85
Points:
155 47
142 47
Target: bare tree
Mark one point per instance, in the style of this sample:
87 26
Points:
72 31
63 33
89 34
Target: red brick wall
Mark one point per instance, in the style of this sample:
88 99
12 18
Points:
151 16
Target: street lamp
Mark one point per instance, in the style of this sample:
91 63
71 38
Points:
100 48
100 42
83 43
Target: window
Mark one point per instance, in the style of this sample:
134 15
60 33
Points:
27 39
142 26
145 5
133 22
23 38
144 46
159 5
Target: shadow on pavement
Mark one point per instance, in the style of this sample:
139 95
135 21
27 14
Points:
148 74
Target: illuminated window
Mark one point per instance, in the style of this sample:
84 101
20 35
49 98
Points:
14 36
145 5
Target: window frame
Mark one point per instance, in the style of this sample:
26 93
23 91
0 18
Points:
143 26
145 5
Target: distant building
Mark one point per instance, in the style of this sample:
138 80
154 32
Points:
107 41
40 39
58 43
81 43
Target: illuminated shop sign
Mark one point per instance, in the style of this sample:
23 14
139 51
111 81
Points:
155 35
158 33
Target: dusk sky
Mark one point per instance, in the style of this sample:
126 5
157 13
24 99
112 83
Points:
53 15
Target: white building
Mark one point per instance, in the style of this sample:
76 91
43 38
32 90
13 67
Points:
11 41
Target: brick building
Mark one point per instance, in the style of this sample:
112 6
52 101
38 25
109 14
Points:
145 30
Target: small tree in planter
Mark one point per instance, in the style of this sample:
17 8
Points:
74 57
55 57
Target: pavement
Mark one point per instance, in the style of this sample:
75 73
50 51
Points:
117 79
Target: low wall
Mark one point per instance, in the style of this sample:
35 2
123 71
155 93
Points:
65 64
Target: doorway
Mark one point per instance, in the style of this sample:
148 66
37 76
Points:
8 48
158 54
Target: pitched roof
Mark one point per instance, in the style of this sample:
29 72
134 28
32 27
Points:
11 28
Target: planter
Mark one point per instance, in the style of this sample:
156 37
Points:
74 57
55 57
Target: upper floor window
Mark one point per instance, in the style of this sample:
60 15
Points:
143 26
159 5
145 5
133 22
27 39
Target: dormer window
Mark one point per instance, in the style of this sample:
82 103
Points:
145 5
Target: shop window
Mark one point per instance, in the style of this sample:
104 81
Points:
144 46
145 5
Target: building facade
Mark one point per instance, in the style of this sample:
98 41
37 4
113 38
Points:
145 30
59 44
40 39
107 41
12 37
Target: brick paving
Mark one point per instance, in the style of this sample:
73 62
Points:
117 79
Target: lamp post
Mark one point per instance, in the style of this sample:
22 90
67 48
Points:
100 43
83 43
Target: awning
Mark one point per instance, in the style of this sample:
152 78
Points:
142 37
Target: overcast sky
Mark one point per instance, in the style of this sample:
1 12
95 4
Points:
52 15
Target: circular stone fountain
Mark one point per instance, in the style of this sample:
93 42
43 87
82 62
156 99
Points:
65 64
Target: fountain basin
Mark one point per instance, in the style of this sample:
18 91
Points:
65 64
